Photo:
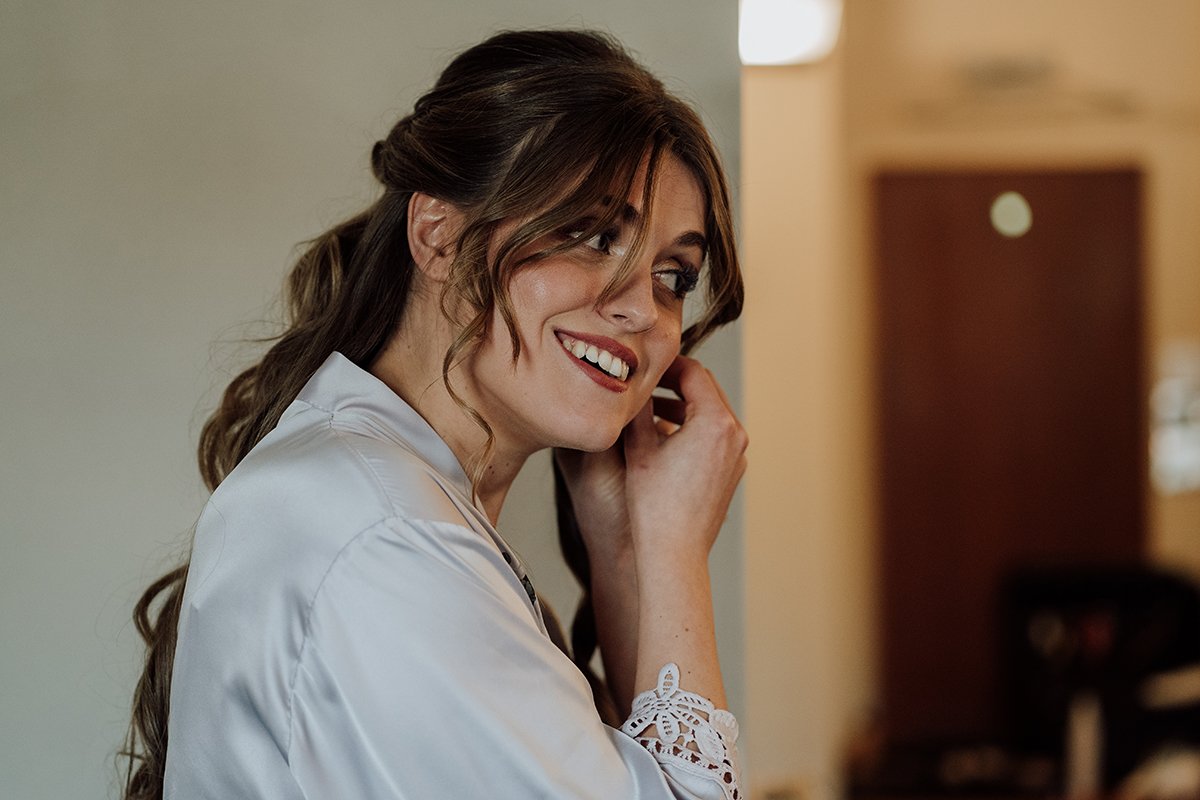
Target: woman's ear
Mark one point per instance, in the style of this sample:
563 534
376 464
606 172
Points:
432 230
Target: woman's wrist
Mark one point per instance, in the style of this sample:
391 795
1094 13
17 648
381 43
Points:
663 557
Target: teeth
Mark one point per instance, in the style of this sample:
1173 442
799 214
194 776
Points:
605 360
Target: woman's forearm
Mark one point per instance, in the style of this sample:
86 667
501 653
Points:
675 624
615 599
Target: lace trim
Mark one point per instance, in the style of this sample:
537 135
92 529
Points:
692 734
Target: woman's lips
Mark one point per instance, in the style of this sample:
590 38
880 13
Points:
605 360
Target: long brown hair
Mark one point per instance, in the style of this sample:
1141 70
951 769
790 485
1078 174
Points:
541 126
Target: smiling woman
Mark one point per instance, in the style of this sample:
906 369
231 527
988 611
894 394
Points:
616 294
350 623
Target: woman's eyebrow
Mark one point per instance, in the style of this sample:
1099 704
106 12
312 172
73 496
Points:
693 239
631 215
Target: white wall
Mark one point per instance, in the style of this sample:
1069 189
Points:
159 161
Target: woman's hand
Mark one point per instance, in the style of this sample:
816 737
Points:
680 475
649 509
685 467
681 471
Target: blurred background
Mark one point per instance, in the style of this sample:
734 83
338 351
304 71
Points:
971 385
964 559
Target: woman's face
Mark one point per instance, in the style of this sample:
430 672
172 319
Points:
586 367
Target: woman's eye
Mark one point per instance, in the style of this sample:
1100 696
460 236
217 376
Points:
678 281
602 242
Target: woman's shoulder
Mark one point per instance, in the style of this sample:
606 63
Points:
312 507
337 470
307 490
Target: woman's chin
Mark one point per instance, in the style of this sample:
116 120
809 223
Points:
593 441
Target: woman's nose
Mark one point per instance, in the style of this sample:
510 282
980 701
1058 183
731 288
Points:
633 306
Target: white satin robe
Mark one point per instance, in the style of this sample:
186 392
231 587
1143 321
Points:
351 628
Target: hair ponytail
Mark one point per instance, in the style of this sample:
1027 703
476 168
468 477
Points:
250 407
146 740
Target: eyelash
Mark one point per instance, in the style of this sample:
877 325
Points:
686 279
604 240
686 275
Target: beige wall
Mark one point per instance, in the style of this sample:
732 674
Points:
159 162
807 503
1123 87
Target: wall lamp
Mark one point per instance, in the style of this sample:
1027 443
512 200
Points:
787 31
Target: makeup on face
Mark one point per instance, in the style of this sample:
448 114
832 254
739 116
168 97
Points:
610 360
598 321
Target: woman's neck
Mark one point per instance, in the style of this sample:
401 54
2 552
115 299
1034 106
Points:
411 366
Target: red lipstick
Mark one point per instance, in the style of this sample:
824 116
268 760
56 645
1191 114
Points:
604 343
596 373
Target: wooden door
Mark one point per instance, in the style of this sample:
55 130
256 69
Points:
1011 416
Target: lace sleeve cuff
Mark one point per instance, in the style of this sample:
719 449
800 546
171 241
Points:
690 733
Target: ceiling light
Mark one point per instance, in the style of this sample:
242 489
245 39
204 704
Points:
787 31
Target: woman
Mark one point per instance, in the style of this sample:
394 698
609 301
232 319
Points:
350 623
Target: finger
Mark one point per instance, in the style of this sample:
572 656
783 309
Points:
670 408
692 373
721 392
688 378
665 427
672 377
